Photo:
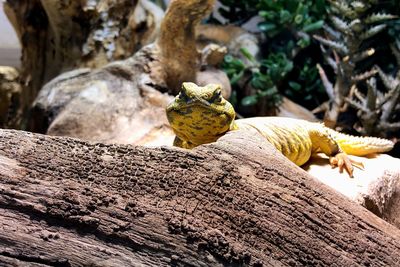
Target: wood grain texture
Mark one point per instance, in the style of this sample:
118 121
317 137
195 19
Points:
65 202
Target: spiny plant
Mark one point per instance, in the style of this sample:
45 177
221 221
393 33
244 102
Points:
378 111
345 47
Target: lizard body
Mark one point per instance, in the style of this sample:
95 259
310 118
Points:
200 115
299 139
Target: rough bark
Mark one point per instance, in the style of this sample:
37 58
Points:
65 202
61 35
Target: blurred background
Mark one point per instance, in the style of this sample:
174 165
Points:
10 50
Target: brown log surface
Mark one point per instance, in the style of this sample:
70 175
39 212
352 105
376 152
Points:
66 202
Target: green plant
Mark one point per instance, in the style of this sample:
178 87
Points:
260 76
379 112
306 87
295 16
286 24
346 47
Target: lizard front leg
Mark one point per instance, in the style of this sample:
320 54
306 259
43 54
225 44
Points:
324 142
183 144
342 160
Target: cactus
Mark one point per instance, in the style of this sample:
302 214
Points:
376 110
352 23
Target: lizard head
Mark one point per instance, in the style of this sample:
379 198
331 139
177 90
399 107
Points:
200 115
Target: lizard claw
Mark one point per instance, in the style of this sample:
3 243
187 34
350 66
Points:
343 161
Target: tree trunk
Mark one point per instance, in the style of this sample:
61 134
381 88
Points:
65 202
61 35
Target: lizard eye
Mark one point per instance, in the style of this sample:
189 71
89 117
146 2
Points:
182 95
216 97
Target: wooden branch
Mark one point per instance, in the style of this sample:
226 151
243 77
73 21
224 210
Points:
177 40
238 201
325 81
61 35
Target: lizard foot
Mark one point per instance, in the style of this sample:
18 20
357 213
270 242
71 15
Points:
343 161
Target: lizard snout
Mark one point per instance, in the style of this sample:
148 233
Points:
202 101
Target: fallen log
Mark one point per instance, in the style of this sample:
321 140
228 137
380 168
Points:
66 202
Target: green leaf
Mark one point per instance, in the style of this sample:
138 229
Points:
249 100
233 98
228 58
247 54
267 15
313 26
236 77
302 9
266 26
303 42
288 67
258 83
261 81
230 71
285 16
269 92
231 62
238 64
291 5
295 86
298 19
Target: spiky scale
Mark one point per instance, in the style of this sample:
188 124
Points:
378 17
297 139
372 31
361 146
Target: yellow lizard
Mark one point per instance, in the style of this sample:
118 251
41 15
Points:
200 115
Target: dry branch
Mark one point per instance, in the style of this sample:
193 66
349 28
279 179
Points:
177 41
57 36
67 202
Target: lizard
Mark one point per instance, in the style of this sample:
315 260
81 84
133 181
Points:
200 115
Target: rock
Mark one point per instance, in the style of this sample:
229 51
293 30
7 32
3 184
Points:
213 55
290 109
115 104
213 75
233 37
377 187
10 91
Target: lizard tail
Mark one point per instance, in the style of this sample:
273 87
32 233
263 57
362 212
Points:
361 146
